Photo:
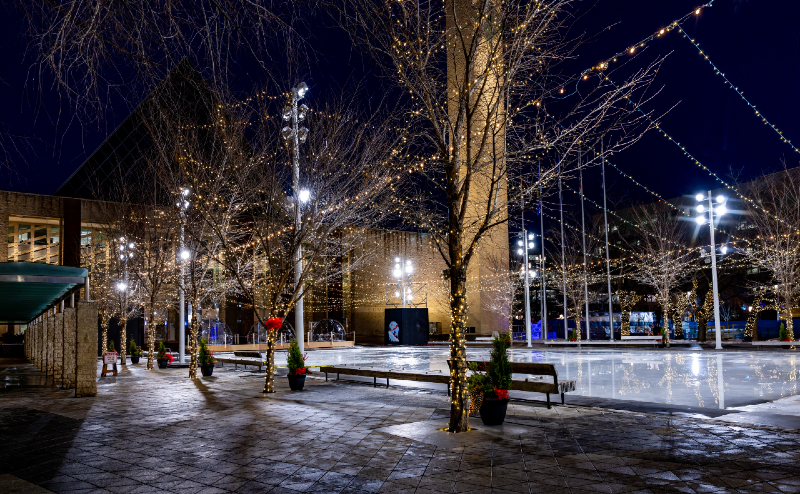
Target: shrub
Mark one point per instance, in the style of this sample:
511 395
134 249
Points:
498 376
111 346
783 335
204 356
296 361
133 349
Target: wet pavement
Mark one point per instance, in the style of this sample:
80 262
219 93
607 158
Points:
684 377
160 432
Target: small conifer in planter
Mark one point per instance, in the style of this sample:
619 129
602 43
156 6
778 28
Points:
296 362
206 359
135 352
497 382
111 346
163 357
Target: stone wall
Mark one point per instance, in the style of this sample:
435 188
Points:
57 324
86 359
70 348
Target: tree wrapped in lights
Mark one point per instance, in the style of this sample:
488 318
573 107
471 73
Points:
627 300
479 77
661 262
774 214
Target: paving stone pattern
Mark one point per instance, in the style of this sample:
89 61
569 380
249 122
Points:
160 432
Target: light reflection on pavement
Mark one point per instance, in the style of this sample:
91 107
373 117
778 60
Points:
677 377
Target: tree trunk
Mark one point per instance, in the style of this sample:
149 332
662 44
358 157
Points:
459 394
151 338
193 343
665 310
789 324
269 378
625 323
123 336
104 322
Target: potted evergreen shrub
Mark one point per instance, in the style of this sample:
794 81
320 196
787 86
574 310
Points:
297 367
497 382
135 352
163 356
206 359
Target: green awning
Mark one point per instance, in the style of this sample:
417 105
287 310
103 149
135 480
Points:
29 288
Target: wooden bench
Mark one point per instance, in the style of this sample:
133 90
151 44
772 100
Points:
383 373
244 357
556 387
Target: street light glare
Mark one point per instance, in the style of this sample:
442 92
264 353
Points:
721 199
396 259
121 286
519 251
699 197
304 195
184 254
700 208
724 249
530 236
520 243
530 245
302 88
720 210
701 220
185 192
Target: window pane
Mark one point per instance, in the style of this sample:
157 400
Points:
24 228
10 229
24 236
53 229
54 240
40 232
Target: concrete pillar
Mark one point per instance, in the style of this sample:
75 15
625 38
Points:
37 357
34 329
58 348
47 347
70 348
86 359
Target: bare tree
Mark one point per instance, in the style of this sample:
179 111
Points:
662 259
627 300
478 77
775 218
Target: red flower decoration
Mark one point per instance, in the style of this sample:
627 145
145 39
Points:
170 357
273 323
502 394
301 371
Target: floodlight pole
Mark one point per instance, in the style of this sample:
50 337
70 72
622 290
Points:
714 272
585 267
543 319
608 259
527 279
181 288
563 260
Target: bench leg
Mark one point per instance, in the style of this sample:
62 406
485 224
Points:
548 400
337 376
326 376
562 398
387 382
374 381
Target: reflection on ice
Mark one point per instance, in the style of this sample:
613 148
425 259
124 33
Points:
659 376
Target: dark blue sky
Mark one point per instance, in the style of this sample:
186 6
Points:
755 42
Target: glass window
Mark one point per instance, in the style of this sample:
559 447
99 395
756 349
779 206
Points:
53 229
99 237
10 229
40 232
24 228
11 239
54 240
24 237
40 241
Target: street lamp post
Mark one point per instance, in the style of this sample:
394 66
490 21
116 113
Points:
183 205
701 219
527 238
294 114
125 253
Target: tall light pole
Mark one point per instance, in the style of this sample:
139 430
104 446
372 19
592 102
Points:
563 259
183 205
527 238
720 209
125 253
297 135
585 265
608 258
543 277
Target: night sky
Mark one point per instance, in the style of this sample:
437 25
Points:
754 42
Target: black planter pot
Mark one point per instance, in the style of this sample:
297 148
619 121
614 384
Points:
493 411
134 360
296 382
207 370
162 364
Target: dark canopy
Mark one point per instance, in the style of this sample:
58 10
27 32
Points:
29 288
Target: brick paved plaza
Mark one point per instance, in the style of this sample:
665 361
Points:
160 432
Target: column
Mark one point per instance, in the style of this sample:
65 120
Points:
70 348
58 348
47 345
86 353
